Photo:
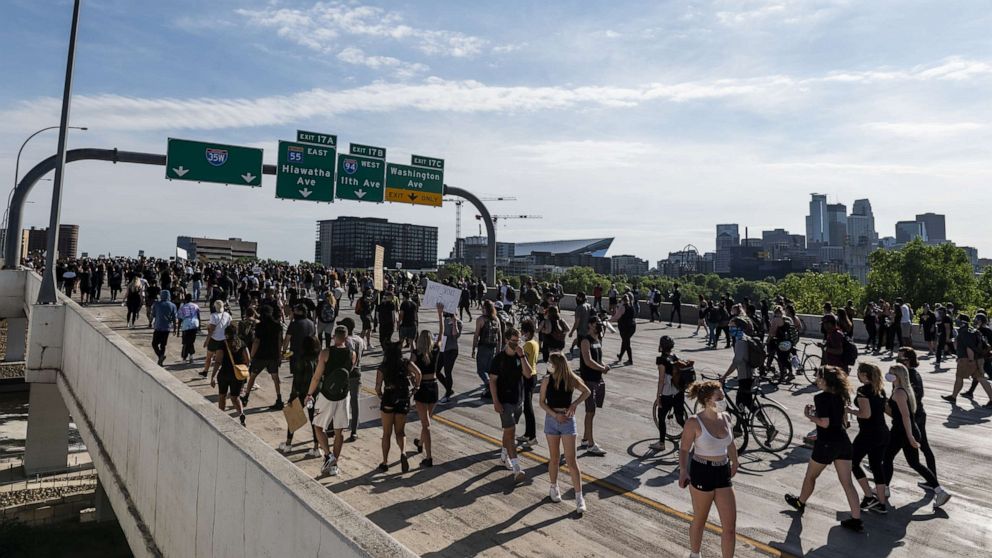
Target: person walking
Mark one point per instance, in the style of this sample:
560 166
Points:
580 321
450 331
701 310
510 367
675 298
907 357
983 329
970 364
624 317
591 370
164 317
872 439
266 356
302 376
408 320
188 317
427 357
828 413
531 349
488 336
214 343
326 314
905 434
357 344
392 385
554 331
707 463
133 300
223 378
558 400
331 403
674 375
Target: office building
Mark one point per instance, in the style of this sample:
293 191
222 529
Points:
836 224
935 226
35 241
628 265
473 251
862 239
349 243
216 249
780 244
816 221
906 231
727 236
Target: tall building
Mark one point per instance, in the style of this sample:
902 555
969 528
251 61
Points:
908 230
34 241
935 227
862 239
216 249
473 251
349 242
816 221
779 244
631 266
836 224
727 236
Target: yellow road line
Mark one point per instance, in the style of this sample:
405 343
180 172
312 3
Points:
630 495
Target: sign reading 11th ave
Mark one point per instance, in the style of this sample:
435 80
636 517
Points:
213 162
305 172
360 178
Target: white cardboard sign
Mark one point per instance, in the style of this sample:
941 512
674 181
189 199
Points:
447 296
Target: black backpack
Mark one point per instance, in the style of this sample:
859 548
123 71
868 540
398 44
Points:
490 333
755 352
850 351
511 295
334 384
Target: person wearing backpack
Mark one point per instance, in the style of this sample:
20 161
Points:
326 314
674 376
968 345
553 329
393 382
488 336
328 395
984 350
748 356
833 344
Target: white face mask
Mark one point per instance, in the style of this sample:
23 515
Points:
721 405
890 377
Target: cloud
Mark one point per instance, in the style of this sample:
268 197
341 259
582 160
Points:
920 130
358 57
320 27
743 13
954 68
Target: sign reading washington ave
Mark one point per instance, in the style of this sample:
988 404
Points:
409 184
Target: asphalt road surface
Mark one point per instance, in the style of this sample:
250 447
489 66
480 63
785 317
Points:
468 505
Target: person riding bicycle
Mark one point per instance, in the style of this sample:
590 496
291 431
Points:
782 339
674 377
748 355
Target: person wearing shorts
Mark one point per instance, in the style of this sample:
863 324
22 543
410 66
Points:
266 355
392 385
591 370
832 445
232 352
331 404
509 369
557 400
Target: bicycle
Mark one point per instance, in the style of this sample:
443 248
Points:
768 421
673 430
809 363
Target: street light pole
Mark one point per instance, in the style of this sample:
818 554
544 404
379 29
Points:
47 293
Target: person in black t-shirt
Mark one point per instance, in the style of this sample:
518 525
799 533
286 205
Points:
872 438
265 355
832 443
506 383
387 318
408 320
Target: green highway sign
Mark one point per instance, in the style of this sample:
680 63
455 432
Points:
419 186
429 162
329 140
305 172
360 178
213 162
367 151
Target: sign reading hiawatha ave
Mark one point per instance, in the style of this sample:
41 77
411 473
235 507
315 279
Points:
409 184
213 162
305 172
360 178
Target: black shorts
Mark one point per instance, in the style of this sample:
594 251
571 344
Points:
398 404
229 386
826 453
597 397
270 365
366 323
427 392
214 345
707 477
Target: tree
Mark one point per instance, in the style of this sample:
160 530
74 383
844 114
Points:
455 270
919 274
582 279
809 290
984 289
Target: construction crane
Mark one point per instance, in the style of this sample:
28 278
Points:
498 218
458 210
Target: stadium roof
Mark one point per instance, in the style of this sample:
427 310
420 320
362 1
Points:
593 246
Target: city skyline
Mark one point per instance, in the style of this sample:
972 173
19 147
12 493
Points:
602 128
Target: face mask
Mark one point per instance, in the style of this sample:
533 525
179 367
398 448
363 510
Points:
890 377
721 405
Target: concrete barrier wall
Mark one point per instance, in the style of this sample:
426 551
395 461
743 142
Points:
186 479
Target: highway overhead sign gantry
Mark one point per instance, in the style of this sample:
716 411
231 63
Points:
360 178
201 161
305 172
415 185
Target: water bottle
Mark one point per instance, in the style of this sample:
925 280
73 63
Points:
310 404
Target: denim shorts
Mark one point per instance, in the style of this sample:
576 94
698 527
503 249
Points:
554 428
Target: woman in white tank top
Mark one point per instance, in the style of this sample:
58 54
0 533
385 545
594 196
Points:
707 462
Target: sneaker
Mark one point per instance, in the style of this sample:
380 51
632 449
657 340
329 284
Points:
429 462
580 504
383 467
596 450
311 453
853 524
486 395
868 502
968 394
351 438
554 493
161 359
334 471
444 400
530 441
420 447
941 498
880 508
583 445
244 400
284 447
521 439
795 503
325 469
925 486
949 398
658 446
242 419
518 473
277 406
203 374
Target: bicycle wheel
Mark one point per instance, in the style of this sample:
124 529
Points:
771 428
809 367
673 430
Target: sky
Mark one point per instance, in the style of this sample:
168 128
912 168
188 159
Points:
649 122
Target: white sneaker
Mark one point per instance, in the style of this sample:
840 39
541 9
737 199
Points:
554 494
580 504
311 453
284 447
940 498
333 471
595 450
518 473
